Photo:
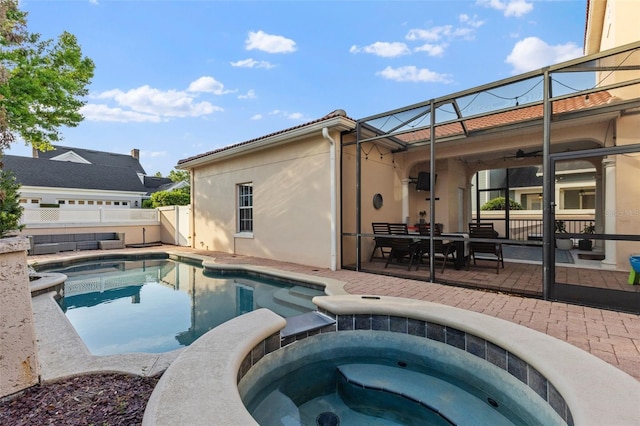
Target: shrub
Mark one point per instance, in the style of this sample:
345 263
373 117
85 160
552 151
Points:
178 197
499 203
10 209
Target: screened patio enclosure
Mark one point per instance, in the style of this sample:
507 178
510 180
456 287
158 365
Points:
587 109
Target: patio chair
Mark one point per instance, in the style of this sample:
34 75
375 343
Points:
382 242
490 251
401 248
485 225
439 246
398 228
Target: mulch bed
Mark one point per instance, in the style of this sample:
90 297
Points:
95 399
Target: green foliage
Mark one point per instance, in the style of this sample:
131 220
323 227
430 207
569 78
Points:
499 203
147 204
178 197
589 228
560 227
178 175
41 81
10 209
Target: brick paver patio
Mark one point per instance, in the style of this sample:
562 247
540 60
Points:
611 336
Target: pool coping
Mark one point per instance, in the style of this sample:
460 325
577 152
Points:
61 351
206 374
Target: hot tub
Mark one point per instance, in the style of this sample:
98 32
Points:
208 380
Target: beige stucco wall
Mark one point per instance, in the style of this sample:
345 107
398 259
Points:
620 23
291 202
627 211
168 224
617 26
133 234
18 352
381 174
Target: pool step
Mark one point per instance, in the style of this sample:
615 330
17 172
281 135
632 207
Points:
452 403
305 322
295 299
285 303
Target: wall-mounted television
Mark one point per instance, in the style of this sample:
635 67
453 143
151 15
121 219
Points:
424 181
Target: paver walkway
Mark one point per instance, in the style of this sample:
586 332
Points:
611 336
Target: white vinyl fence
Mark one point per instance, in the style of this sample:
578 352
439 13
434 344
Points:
88 215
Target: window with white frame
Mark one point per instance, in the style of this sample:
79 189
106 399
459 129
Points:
245 207
578 198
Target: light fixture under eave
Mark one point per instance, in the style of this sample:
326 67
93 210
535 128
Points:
520 154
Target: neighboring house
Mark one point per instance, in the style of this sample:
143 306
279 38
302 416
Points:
157 184
574 182
76 178
305 194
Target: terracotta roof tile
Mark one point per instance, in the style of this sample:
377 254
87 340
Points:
575 103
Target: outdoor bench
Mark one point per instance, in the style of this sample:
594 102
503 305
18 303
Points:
54 243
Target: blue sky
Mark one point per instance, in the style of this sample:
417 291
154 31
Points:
179 78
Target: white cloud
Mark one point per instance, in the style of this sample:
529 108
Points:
471 21
532 53
288 115
252 63
515 8
413 74
269 43
257 117
149 104
432 49
444 32
383 48
431 34
251 94
208 84
295 116
97 112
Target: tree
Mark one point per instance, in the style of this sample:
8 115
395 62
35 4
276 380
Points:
42 82
179 175
499 203
10 209
177 197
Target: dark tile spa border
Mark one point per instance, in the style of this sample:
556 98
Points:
470 343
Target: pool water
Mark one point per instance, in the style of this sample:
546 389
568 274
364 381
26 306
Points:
383 379
159 305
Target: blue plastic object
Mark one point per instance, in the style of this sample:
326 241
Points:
634 275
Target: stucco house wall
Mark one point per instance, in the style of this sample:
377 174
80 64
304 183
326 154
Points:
291 202
611 24
381 175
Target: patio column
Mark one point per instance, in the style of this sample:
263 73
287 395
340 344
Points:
609 166
405 200
599 218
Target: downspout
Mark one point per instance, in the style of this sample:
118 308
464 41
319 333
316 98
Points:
332 183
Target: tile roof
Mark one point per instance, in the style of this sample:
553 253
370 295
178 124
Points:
65 174
333 114
525 113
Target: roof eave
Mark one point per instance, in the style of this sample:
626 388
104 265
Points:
334 123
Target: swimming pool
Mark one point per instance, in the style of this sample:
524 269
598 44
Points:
158 305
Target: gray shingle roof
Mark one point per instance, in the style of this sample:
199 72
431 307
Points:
97 157
65 174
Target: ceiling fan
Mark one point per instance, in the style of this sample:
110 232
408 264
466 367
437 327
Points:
521 154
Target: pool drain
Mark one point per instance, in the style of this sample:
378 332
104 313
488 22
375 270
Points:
328 419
